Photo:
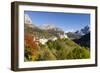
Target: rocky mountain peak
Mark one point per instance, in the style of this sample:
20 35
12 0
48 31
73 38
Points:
27 19
47 26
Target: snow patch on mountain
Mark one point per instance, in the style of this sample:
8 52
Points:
27 19
83 31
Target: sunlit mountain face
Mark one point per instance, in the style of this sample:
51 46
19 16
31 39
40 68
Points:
50 42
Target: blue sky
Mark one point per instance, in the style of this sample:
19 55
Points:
65 21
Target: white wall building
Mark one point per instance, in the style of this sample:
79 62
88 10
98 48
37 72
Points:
63 36
55 38
43 41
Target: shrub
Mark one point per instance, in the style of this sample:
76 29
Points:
30 47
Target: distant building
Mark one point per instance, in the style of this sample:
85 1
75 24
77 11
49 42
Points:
36 39
61 36
55 38
65 35
52 38
43 41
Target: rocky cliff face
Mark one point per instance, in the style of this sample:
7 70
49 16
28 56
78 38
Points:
27 19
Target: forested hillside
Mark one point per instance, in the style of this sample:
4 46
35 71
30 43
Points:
59 49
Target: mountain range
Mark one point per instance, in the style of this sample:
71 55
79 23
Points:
52 29
84 40
47 30
83 31
79 33
60 49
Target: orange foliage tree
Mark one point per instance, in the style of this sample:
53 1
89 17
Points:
30 44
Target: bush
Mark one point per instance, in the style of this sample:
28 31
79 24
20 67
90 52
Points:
30 47
45 53
78 53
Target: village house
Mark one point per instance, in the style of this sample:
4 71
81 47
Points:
36 39
61 36
43 41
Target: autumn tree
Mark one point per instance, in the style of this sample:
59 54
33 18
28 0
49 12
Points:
30 46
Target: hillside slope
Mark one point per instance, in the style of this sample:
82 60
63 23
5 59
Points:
59 49
84 40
